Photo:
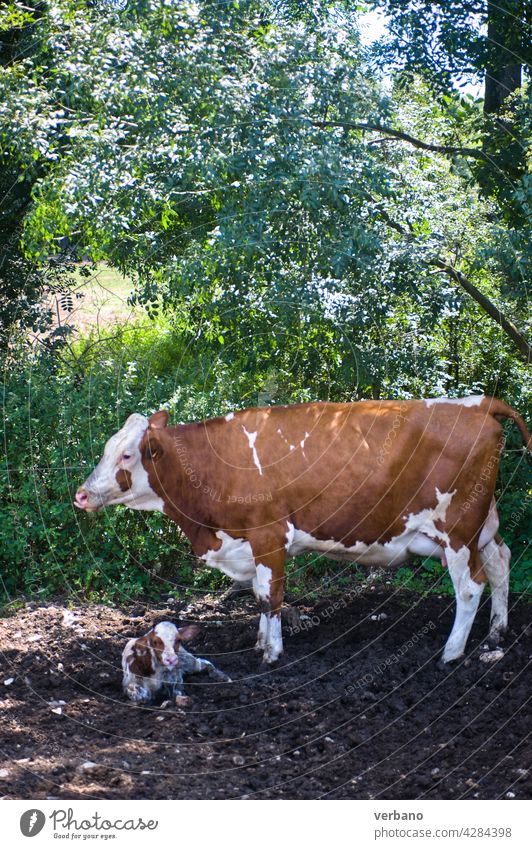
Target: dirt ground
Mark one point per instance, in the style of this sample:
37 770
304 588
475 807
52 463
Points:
357 708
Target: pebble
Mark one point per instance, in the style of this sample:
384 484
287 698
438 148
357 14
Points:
238 760
491 656
8 681
510 795
57 710
87 766
4 773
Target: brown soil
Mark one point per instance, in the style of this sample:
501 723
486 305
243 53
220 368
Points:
358 707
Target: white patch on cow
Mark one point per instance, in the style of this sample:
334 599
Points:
467 401
143 496
252 438
423 522
102 486
233 558
467 594
490 526
262 581
302 443
495 559
420 537
274 645
262 636
229 417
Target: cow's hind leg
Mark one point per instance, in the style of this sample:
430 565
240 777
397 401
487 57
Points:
495 559
268 586
463 565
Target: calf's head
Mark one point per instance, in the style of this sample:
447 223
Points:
160 647
122 475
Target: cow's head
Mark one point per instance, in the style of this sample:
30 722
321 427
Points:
121 476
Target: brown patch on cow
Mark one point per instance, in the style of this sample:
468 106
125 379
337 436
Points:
141 663
123 479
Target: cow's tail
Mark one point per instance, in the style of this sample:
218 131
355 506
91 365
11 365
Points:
501 410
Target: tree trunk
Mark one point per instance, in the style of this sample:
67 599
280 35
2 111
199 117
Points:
505 51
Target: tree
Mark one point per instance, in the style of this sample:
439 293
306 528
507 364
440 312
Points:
231 161
23 282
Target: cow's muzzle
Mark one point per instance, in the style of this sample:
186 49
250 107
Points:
83 500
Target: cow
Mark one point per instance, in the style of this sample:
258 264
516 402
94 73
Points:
375 482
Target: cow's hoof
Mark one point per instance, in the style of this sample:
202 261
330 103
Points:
269 658
446 664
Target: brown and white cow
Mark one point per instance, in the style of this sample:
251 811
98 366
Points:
372 481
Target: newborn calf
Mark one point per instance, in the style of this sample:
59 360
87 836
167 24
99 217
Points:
157 662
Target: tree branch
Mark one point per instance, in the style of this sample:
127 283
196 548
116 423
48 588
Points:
488 306
476 153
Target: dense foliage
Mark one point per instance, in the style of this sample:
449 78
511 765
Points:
296 225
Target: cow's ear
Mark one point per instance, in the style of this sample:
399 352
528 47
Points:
188 632
151 447
159 420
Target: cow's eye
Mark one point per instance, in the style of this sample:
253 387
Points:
126 456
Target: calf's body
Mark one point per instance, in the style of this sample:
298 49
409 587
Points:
372 481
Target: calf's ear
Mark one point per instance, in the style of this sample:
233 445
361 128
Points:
188 632
159 420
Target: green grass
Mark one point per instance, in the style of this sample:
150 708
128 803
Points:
100 299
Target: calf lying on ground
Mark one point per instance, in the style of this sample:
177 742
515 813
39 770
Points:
156 663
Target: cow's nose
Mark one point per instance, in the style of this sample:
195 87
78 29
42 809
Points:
81 498
170 661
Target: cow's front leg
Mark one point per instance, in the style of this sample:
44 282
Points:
268 586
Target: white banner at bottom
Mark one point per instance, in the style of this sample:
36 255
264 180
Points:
264 825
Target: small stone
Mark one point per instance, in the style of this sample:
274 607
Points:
4 773
435 771
8 681
86 766
510 795
329 740
60 667
159 718
57 710
491 656
238 760
34 638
